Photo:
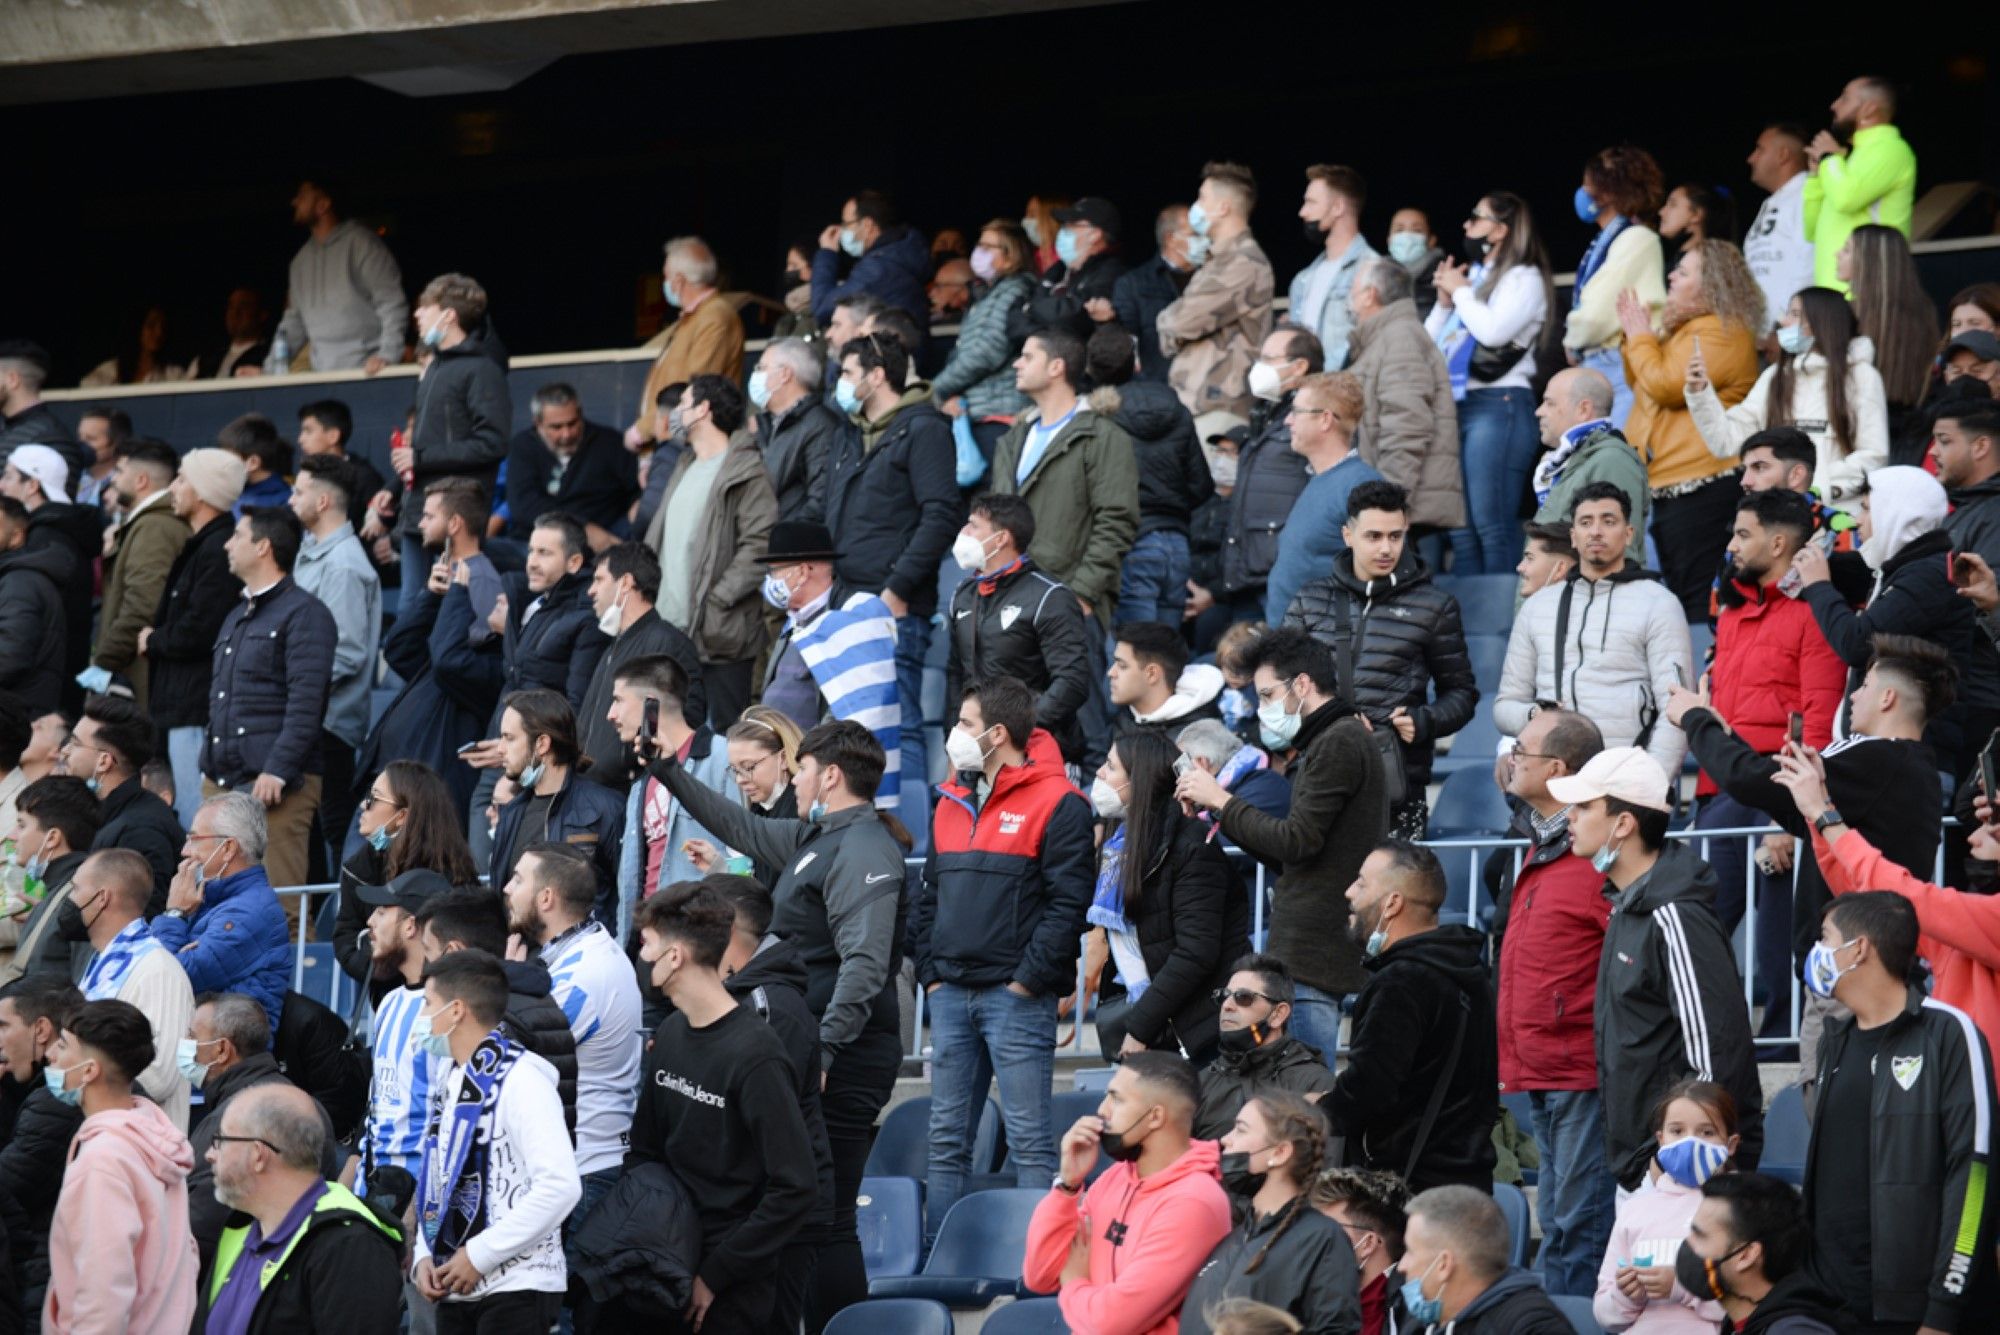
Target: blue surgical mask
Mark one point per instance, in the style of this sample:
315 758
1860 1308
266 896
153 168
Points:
93 784
777 593
429 1040
1603 859
195 1073
1278 726
1423 1311
1066 247
1691 1160
844 395
434 336
1378 941
850 241
760 388
54 1078
1823 969
1587 208
673 297
1794 340
1406 248
1033 227
1198 248
379 841
531 776
1199 220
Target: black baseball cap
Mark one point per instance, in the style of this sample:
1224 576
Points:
1978 342
409 891
1098 212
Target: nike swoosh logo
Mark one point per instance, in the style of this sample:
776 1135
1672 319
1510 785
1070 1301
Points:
962 612
870 880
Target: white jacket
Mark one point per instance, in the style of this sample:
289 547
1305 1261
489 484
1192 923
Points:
1840 478
1625 648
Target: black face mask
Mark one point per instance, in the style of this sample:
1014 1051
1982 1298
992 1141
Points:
1237 1179
1475 248
1238 1041
1699 1275
1314 232
71 925
1117 1147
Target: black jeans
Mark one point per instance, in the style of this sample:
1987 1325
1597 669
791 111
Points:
1692 533
522 1312
857 1089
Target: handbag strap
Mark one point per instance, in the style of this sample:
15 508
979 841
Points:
1562 632
1436 1102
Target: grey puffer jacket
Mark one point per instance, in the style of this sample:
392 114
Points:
1623 647
1407 635
981 366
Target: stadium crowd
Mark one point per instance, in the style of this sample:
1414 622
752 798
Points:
607 733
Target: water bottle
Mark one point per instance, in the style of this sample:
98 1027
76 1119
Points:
281 354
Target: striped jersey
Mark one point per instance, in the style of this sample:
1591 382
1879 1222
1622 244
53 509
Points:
594 983
399 1090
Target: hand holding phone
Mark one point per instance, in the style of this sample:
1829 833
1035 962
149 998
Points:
1795 728
649 727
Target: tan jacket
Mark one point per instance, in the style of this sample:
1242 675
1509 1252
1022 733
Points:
1214 331
726 586
1661 426
1409 424
147 547
708 340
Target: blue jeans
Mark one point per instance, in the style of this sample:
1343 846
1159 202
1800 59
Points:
1611 361
913 642
1497 446
184 757
1316 1021
1575 1195
1153 585
977 1032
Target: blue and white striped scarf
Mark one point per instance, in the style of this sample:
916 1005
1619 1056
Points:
113 965
851 652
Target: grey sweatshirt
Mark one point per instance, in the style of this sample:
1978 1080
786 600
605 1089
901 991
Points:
347 299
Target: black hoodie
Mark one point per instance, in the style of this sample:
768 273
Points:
464 419
33 646
1304 1265
78 530
1420 992
1670 1007
1796 1305
1173 472
773 983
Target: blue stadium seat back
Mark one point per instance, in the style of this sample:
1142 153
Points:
1577 1310
1786 1132
1513 1203
978 1253
1469 803
1701 639
902 1142
1473 746
1029 1316
1064 1108
1486 603
1518 1103
989 1148
1095 1078
1489 658
1463 885
892 1316
324 982
889 1214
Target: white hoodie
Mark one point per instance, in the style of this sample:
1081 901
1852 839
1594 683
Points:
1199 684
1839 477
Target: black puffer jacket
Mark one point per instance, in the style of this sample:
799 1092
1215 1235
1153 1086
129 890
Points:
538 1022
1418 992
78 530
1410 638
39 425
32 625
557 650
1234 1077
200 594
313 1053
464 419
1173 473
895 508
1058 300
796 444
1139 297
642 1243
31 1171
1269 478
1030 627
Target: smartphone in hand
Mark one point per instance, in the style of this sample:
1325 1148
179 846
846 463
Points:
1961 570
1795 728
649 727
1987 766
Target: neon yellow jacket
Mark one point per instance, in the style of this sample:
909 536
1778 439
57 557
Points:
1875 183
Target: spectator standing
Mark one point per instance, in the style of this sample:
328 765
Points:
41 1127
1409 424
1695 212
1074 293
1694 1129
36 476
653 853
1212 331
129 965
1584 447
553 802
1140 296
409 813
1906 1248
1153 687
1398 638
1009 618
713 524
1554 923
1368 1206
1777 247
333 567
1174 479
1456 1240
1747 1245
1256 1051
150 537
1489 321
399 1088
1325 414
890 261
1859 170
1900 318
566 462
497 1179
977 383
267 459
993 982
1965 445
625 592
120 1253
706 337
1319 292
1826 385
104 432
1711 322
1339 813
1283 1252
950 288
1637 648
1676 1010
1620 196
326 426
246 346
795 429
345 295
24 418
1413 243
33 622
1243 769
222 921
272 667
1164 1209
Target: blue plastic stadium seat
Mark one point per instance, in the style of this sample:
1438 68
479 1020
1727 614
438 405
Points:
1064 1108
978 1253
1470 803
1486 603
889 1214
1513 1203
892 1316
1489 659
1095 1078
1030 1316
902 1142
1581 1319
1473 746
1785 1135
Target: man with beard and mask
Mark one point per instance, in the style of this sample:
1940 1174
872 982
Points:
1669 1004
1747 1245
1123 1251
1331 214
1419 1093
1142 293
35 1140
554 803
625 593
1859 171
58 818
1256 1053
127 964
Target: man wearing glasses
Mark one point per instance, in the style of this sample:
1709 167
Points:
1257 1053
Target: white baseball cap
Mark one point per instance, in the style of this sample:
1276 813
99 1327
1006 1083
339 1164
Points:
45 466
1624 772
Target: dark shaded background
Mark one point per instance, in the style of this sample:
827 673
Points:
557 193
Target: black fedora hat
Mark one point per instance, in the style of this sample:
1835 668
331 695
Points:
798 540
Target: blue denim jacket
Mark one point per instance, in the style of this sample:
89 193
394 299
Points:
708 762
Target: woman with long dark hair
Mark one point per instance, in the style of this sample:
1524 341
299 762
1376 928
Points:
1825 384
1492 322
1695 213
1282 1252
407 820
1893 310
1172 906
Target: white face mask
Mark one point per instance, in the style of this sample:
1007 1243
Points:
969 551
964 750
613 619
1105 798
1266 383
1222 469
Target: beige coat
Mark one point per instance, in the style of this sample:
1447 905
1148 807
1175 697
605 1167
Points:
1214 331
1409 424
708 340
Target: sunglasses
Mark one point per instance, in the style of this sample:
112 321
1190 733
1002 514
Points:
1242 996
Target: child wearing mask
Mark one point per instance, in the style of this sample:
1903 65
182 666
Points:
1637 1290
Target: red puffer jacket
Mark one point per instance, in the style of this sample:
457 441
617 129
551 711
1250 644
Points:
1771 661
1548 972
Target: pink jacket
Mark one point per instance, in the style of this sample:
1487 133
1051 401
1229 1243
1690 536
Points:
1165 1226
1652 1225
120 1254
